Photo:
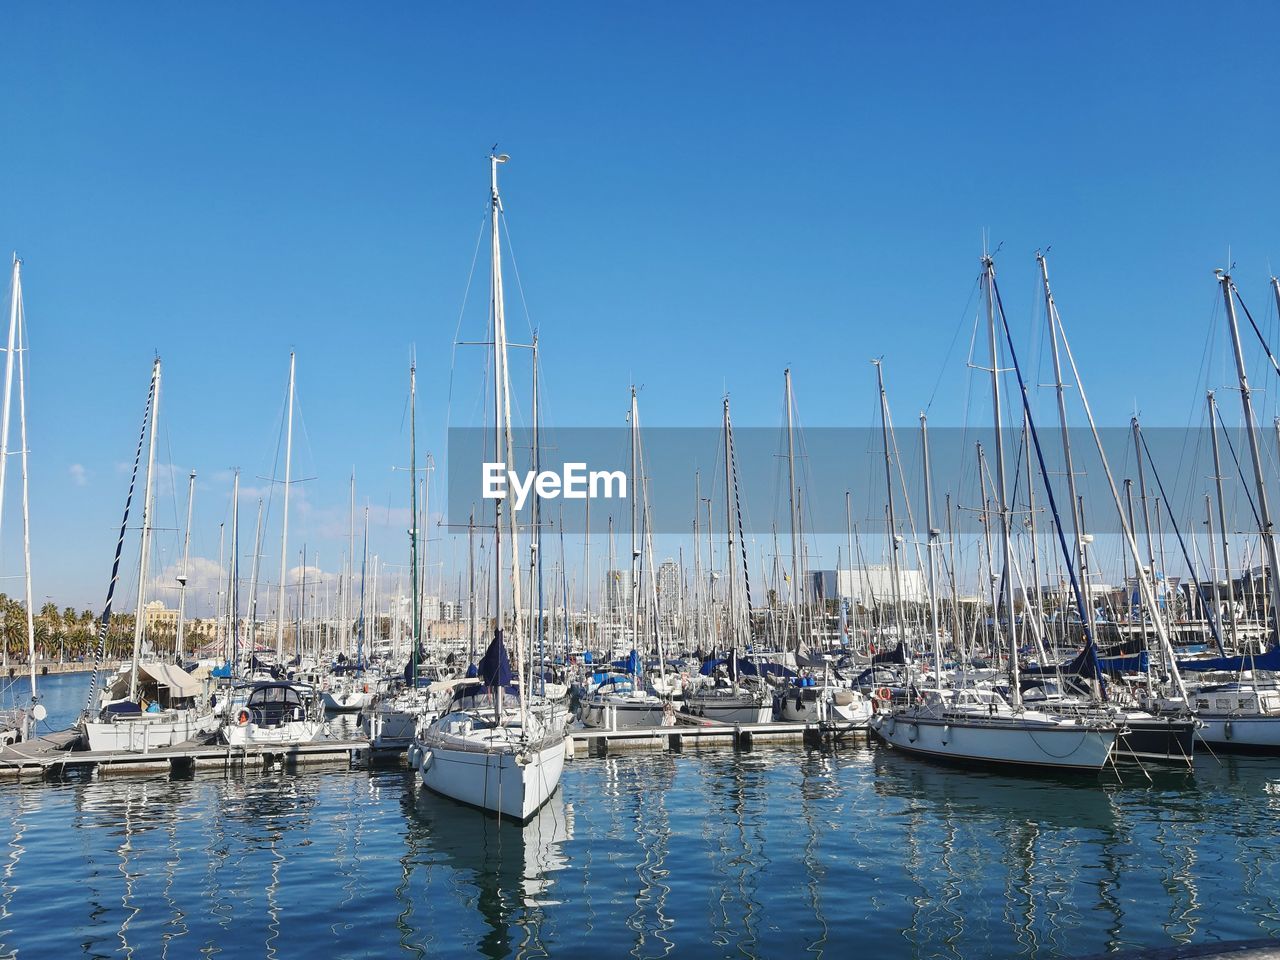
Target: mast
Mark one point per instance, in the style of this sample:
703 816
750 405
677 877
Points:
1222 530
139 618
413 532
933 534
1246 401
888 483
284 528
1002 496
179 640
15 308
502 437
729 564
233 575
633 416
253 579
791 501
1077 521
26 523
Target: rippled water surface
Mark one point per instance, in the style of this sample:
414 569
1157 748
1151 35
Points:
780 852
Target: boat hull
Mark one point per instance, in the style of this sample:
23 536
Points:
141 733
1241 734
730 709
606 715
1158 740
1060 746
250 734
493 781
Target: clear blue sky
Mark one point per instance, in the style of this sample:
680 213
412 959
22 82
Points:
699 195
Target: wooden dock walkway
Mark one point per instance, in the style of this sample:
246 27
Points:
691 731
51 756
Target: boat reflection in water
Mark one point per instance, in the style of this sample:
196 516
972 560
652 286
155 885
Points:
510 866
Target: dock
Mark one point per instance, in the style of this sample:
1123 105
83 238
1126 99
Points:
53 756
695 732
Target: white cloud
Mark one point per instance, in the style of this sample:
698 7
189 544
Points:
79 475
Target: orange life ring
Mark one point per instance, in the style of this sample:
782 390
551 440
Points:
884 693
243 717
366 688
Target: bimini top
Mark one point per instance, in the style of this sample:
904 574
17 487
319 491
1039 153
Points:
179 683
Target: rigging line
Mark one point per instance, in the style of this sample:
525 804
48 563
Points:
515 269
951 348
1261 339
1217 639
466 295
1048 487
100 651
1244 484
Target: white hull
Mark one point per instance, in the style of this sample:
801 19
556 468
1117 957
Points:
140 733
389 728
492 780
351 701
999 741
826 709
730 709
295 731
1241 732
618 713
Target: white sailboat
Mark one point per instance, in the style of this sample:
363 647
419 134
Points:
500 760
977 725
148 704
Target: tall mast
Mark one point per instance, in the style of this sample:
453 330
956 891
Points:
932 544
888 486
233 575
1002 497
15 308
139 617
179 641
729 563
415 630
26 521
284 527
1222 530
634 417
1246 401
1077 521
347 598
502 432
253 579
795 522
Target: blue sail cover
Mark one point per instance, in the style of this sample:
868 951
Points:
1086 664
896 655
494 667
1262 661
630 665
747 668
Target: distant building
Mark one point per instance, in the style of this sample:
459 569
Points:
617 591
868 586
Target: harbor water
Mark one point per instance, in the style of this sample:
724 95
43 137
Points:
767 853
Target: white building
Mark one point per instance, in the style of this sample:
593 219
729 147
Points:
868 585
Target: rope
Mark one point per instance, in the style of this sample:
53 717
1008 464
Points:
100 652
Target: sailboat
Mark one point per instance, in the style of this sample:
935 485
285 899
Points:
149 703
725 697
820 698
270 710
977 724
502 760
1243 715
19 724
